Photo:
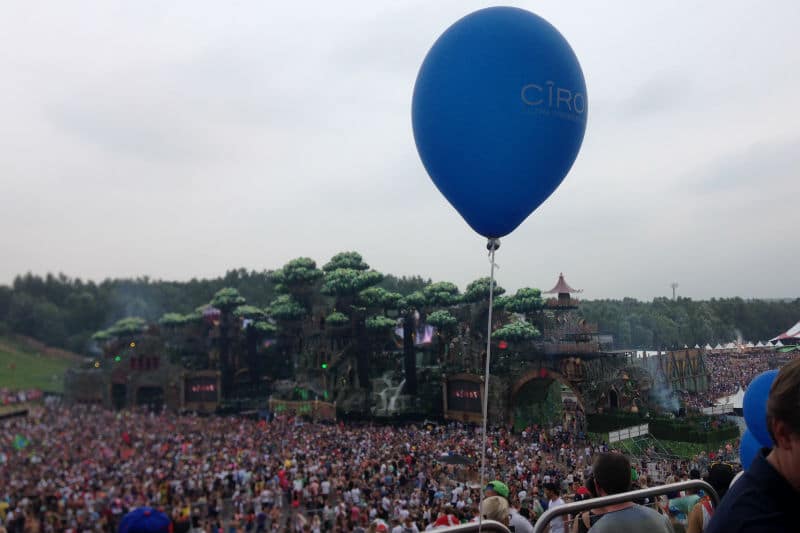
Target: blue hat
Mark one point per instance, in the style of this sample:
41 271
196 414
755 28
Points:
145 520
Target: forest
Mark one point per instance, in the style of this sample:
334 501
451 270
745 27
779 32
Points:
65 312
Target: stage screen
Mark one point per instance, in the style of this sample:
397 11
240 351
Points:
201 389
464 395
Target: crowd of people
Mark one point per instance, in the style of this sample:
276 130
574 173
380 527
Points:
82 468
9 397
730 371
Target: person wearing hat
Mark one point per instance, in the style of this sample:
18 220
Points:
145 520
520 523
496 488
720 476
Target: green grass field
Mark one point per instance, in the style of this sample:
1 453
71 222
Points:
22 367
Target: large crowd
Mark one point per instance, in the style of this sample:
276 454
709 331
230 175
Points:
729 371
82 468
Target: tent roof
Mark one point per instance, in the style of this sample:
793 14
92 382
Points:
792 333
562 287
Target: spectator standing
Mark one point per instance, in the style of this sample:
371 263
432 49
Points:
612 475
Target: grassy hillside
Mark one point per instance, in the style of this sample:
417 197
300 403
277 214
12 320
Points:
26 365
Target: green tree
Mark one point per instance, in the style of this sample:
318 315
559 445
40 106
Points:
346 276
346 260
526 301
250 312
289 314
379 298
337 319
298 277
518 331
285 308
441 294
379 324
226 300
130 326
173 320
445 323
478 291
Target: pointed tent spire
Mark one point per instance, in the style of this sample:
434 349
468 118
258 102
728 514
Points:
562 287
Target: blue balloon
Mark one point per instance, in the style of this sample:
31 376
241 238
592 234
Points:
499 112
748 449
755 406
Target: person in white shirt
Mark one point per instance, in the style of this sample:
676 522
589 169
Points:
552 491
519 522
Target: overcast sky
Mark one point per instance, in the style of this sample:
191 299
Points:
182 139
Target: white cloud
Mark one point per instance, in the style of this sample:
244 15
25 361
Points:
183 139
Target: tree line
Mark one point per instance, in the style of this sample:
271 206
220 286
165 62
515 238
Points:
65 312
667 323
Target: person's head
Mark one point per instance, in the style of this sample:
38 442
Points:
551 491
612 473
496 488
783 421
378 526
719 477
495 508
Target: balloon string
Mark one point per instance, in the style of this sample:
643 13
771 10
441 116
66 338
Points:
493 245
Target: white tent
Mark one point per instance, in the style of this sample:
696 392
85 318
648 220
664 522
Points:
718 347
696 346
769 343
759 344
749 345
708 347
730 346
792 334
778 344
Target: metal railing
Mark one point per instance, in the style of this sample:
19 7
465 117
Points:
604 501
488 525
